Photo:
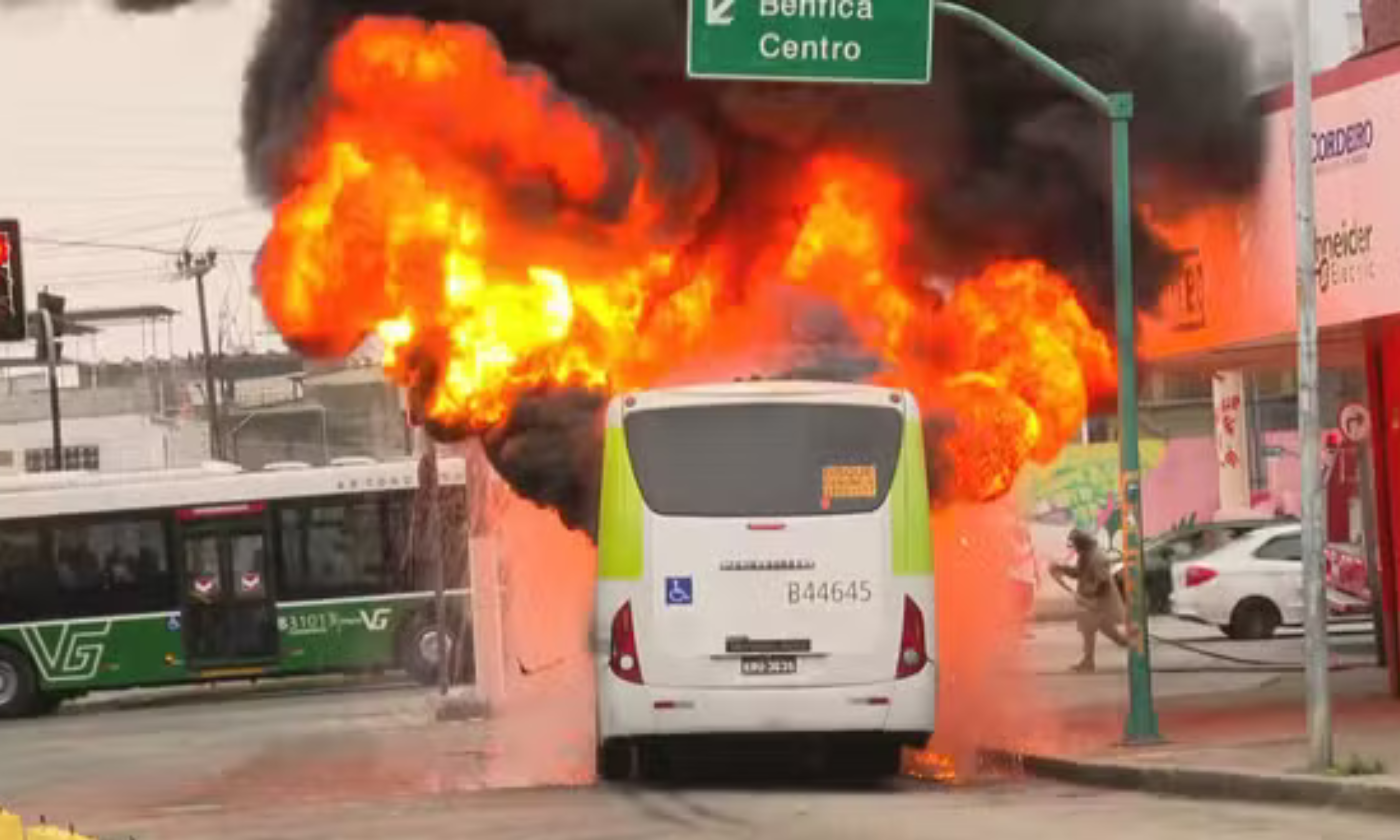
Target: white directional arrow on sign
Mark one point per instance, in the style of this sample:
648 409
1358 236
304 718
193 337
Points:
719 12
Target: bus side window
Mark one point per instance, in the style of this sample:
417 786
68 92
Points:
451 539
28 585
397 511
113 566
333 548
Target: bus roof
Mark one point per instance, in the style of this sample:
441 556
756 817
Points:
775 388
73 493
763 391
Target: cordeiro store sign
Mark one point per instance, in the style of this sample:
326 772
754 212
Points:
1246 251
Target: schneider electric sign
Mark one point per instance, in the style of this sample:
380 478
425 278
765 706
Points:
873 41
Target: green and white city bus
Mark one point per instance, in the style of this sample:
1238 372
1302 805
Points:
146 579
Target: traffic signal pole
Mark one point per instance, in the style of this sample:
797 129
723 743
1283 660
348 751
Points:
1141 724
51 362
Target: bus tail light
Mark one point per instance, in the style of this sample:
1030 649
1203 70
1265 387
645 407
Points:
623 659
913 647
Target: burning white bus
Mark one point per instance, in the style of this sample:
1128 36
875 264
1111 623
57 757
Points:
765 569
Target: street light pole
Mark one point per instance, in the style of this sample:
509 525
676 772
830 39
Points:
1141 724
428 485
1319 702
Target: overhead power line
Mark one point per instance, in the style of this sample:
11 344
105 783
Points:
105 246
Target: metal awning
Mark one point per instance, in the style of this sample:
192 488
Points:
1341 345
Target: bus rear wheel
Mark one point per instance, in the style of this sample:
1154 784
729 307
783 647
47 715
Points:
616 761
869 760
420 651
19 690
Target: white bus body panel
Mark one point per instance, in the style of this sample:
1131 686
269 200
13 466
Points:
846 683
627 710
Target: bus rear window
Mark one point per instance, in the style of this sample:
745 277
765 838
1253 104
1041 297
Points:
764 459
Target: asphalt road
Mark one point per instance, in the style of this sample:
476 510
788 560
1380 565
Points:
337 760
1183 646
900 811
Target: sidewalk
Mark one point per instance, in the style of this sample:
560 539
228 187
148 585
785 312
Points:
1249 744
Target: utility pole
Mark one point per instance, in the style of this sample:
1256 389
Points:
195 266
1319 701
432 522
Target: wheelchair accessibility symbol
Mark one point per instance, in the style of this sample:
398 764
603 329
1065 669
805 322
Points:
680 591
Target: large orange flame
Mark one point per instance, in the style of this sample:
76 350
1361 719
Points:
441 206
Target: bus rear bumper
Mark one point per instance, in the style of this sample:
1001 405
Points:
897 706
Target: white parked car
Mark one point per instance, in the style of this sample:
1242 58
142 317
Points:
1248 588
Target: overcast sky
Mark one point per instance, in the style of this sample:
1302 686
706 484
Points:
123 129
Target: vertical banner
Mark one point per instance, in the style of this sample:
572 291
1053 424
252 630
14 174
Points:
1231 441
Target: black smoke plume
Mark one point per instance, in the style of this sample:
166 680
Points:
550 449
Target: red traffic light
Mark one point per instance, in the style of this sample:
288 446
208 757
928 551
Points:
13 325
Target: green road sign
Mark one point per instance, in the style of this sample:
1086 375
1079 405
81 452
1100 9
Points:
869 41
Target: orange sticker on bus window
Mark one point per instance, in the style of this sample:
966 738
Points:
849 482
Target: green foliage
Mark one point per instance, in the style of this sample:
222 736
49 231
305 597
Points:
1183 523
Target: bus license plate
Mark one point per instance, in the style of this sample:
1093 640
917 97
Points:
767 666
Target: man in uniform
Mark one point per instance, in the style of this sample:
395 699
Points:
1100 604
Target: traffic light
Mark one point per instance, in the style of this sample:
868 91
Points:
12 315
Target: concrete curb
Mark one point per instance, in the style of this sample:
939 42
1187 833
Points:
1353 794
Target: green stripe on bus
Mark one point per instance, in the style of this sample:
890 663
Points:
911 538
121 651
620 517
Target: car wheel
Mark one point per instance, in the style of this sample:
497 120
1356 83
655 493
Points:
19 690
1253 619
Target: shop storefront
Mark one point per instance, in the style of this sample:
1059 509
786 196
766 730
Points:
1233 310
